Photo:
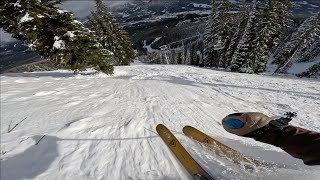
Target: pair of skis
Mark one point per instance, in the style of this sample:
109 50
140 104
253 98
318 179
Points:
186 159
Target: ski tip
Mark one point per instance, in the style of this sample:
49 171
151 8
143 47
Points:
186 128
159 127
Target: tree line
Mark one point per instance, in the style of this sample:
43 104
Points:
245 38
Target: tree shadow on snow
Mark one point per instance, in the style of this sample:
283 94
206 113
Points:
54 74
181 81
123 77
170 79
32 162
303 94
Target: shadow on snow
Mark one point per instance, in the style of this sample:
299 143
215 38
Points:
32 162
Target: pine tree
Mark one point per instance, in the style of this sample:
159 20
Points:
219 34
312 52
225 36
264 33
264 29
241 60
111 34
54 34
276 20
241 18
307 33
311 46
209 38
256 61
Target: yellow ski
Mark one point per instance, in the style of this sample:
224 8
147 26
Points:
220 148
181 153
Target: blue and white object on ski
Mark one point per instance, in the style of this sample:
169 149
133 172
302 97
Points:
244 123
234 123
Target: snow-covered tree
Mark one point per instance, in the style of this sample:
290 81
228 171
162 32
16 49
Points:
301 40
209 38
226 35
54 34
264 29
241 18
111 34
274 22
241 60
312 52
219 33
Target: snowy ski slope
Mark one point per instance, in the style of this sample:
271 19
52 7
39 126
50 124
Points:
103 127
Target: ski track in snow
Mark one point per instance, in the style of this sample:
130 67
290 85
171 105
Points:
103 127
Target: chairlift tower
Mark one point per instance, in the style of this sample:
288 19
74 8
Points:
178 46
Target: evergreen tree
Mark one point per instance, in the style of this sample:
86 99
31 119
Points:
264 29
241 60
111 34
225 35
54 34
312 52
311 46
219 34
307 34
241 18
256 61
269 31
276 20
209 38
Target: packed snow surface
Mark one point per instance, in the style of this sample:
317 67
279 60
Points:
103 127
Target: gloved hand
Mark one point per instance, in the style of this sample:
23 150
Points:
251 124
